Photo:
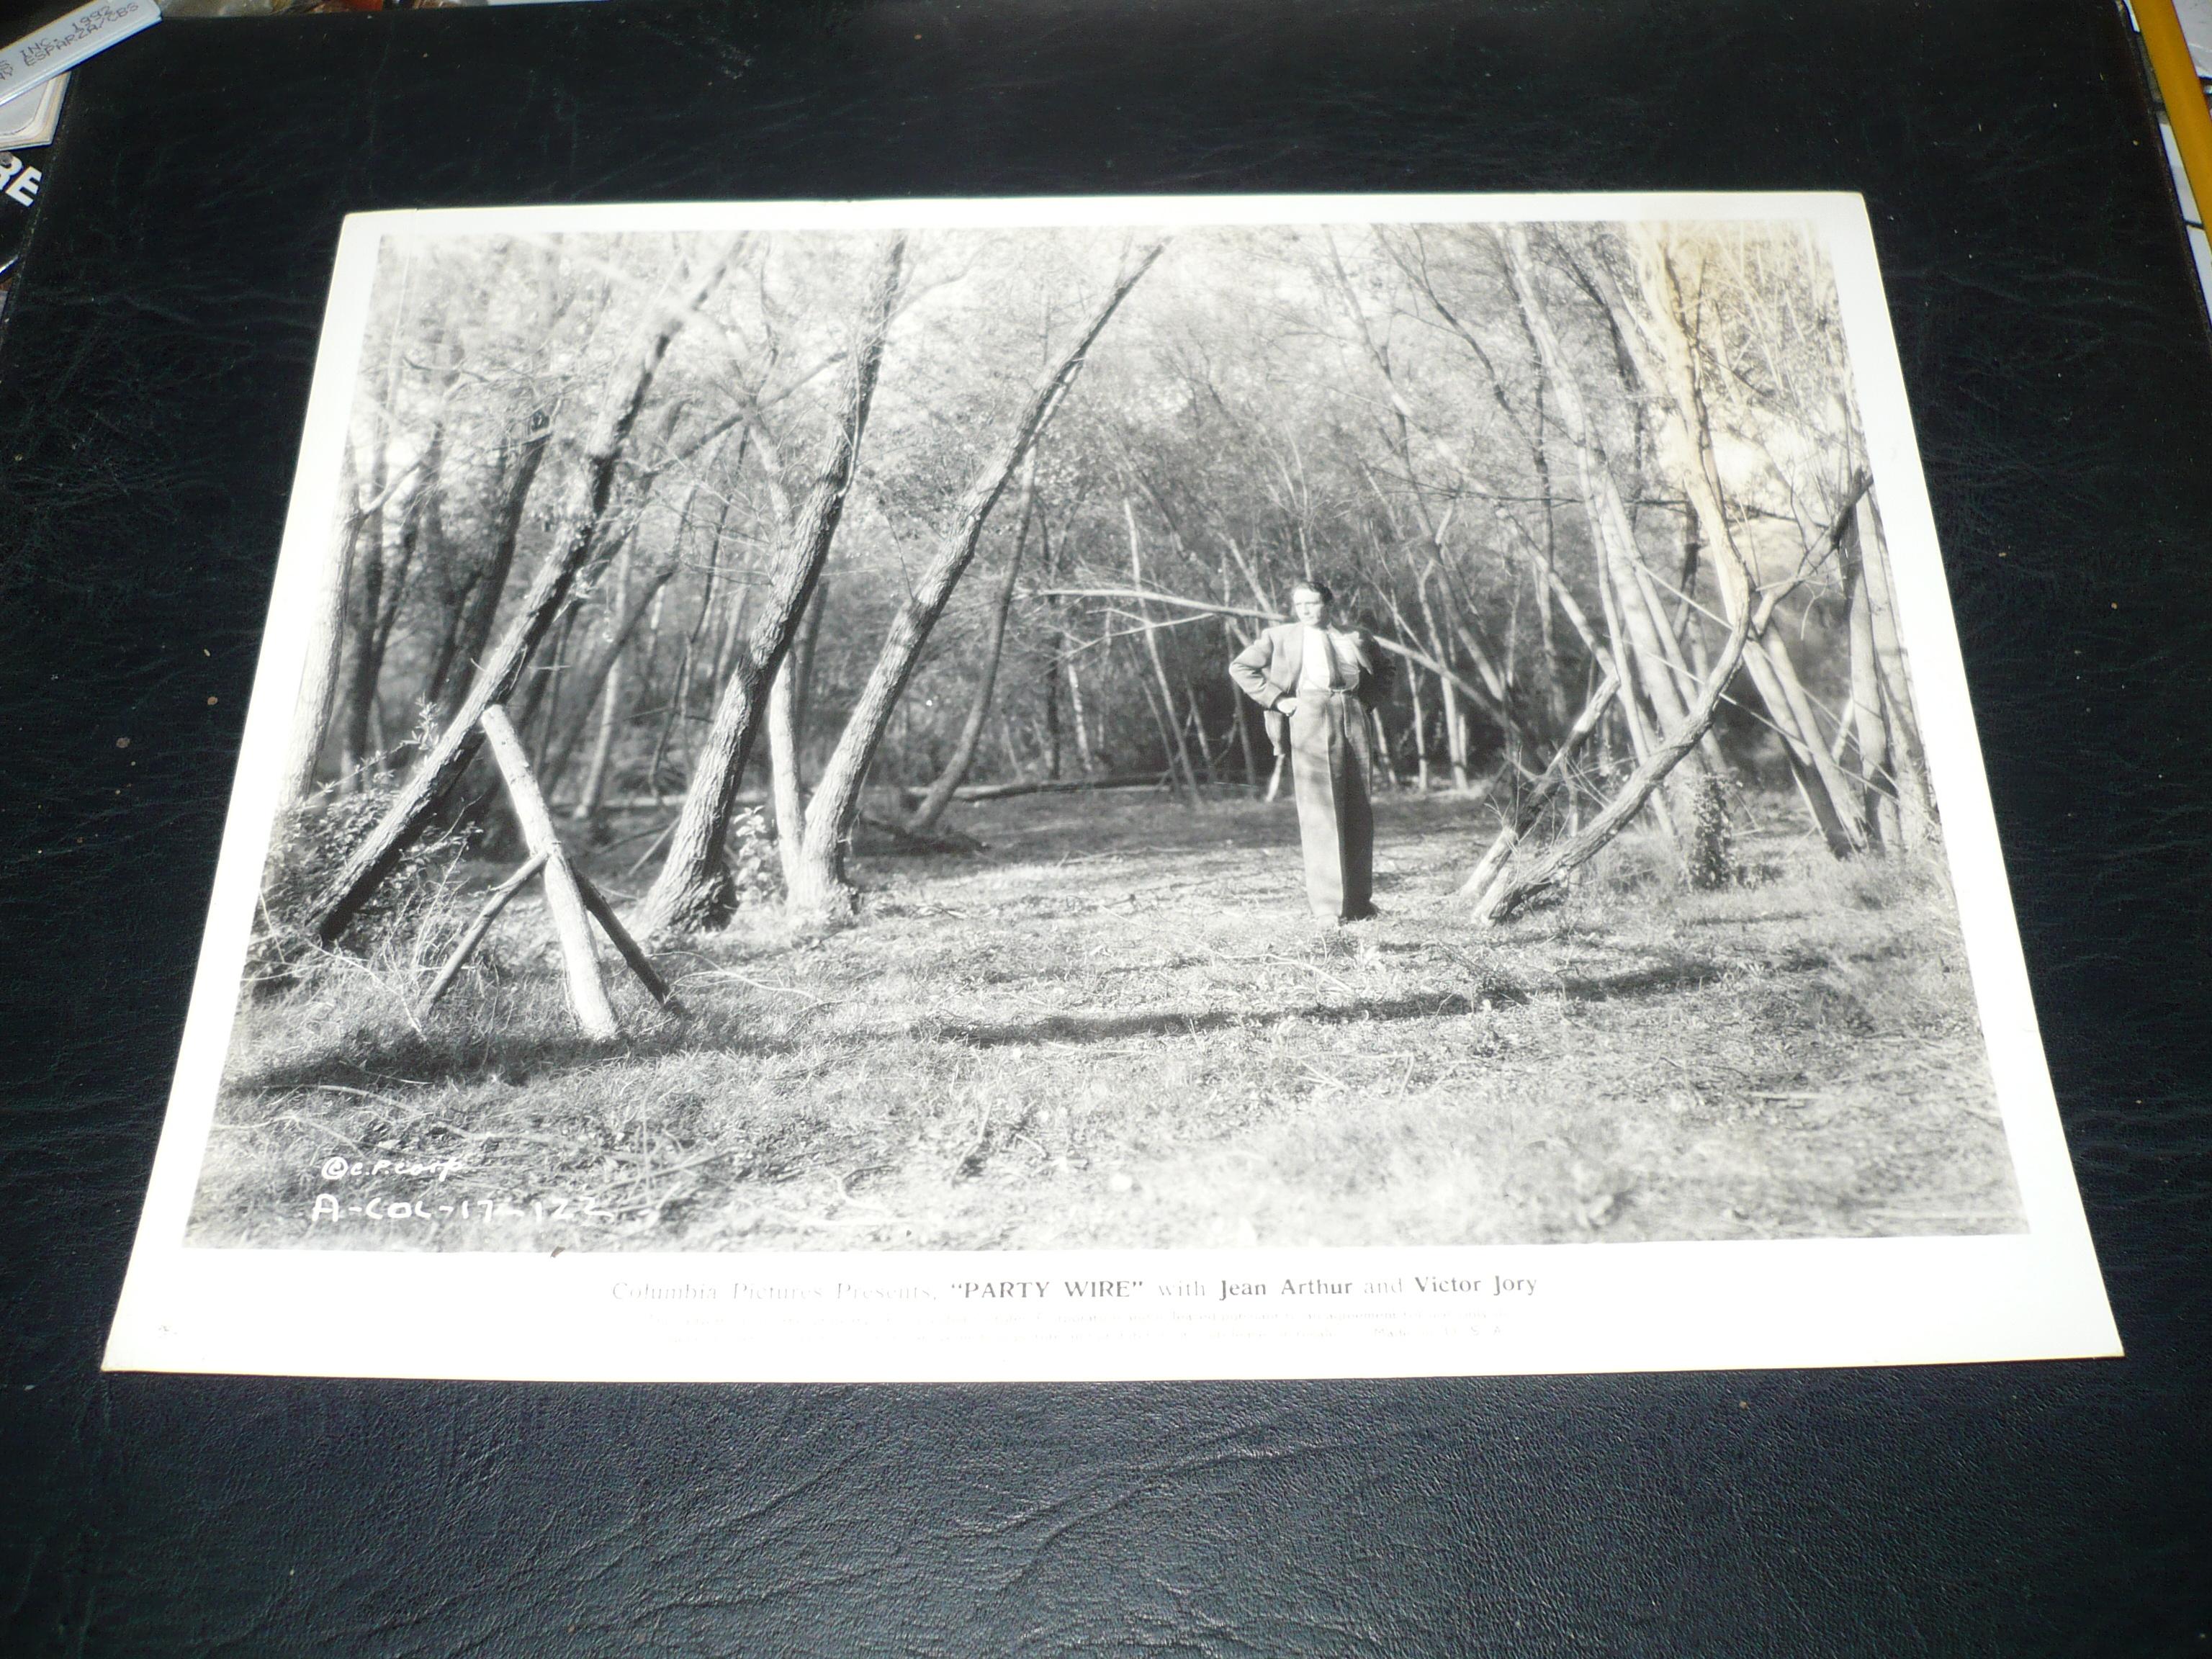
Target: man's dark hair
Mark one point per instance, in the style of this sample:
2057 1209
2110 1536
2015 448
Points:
1320 590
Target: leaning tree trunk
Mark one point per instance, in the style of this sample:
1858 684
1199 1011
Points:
1505 898
1618 649
822 889
560 574
692 890
994 644
1842 822
480 607
1696 791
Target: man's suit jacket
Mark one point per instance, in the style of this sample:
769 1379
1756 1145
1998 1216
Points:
1266 670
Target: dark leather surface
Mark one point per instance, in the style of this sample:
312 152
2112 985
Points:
151 385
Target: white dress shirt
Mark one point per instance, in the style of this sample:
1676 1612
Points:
1322 665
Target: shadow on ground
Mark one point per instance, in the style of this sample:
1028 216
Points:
1683 974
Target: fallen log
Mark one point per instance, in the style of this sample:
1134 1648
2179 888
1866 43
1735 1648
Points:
1052 787
940 839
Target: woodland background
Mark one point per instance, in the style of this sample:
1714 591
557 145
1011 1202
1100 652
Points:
774 566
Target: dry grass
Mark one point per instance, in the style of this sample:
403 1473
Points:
1115 1027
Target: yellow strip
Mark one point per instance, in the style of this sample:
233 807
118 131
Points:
2185 96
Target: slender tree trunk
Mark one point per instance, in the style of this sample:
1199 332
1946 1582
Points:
575 533
1844 824
594 788
1870 730
940 794
645 604
318 682
822 888
1086 755
1632 717
1178 755
1455 720
1907 758
609 703
1015 765
802 682
1420 730
1386 767
377 747
1164 724
1056 737
1196 724
541 702
419 529
1688 679
357 681
784 788
692 890
361 657
787 729
1251 750
1054 740
1555 696
688 662
1454 735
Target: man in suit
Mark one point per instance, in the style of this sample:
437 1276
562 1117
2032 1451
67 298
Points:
1317 683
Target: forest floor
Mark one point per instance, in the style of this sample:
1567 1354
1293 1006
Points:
1115 1026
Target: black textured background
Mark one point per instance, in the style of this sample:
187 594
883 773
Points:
152 382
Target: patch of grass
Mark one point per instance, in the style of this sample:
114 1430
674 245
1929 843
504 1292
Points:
1115 1027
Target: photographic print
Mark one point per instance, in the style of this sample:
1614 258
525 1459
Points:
1050 774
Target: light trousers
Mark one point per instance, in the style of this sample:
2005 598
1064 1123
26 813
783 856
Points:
1331 760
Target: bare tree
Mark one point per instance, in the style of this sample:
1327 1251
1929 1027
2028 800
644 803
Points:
1665 321
692 890
575 529
821 887
1638 631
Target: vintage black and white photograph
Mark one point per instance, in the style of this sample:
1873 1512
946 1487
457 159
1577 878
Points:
999 740
1080 733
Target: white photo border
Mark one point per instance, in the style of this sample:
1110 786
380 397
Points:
910 1316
